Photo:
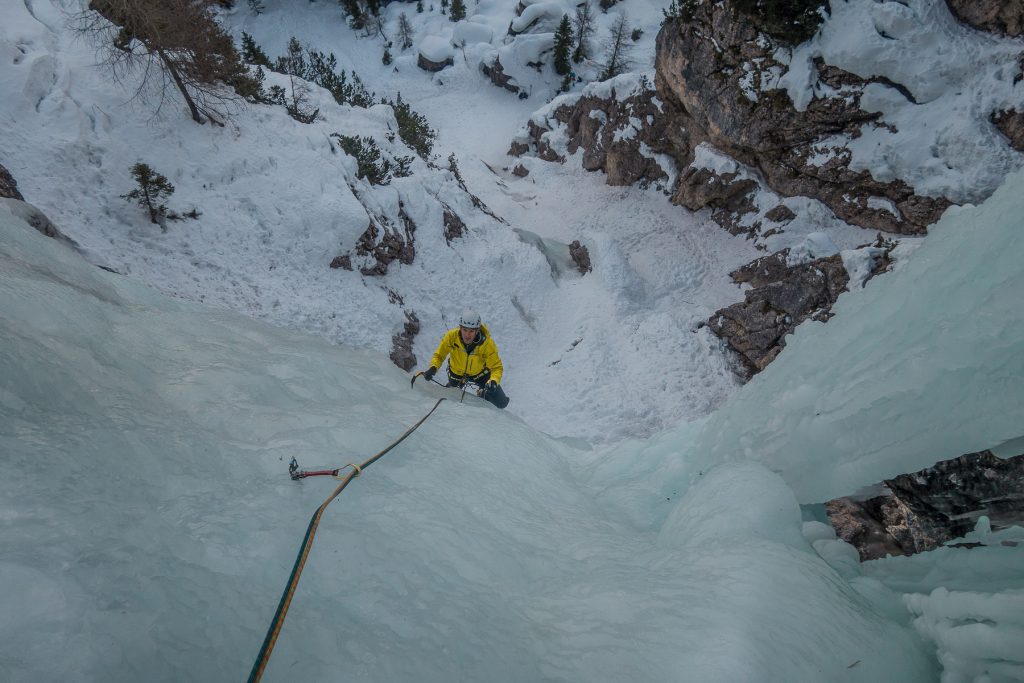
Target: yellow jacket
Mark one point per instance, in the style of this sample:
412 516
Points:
482 355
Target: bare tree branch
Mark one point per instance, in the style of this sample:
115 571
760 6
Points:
172 45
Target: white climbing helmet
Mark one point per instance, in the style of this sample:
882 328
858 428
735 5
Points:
470 319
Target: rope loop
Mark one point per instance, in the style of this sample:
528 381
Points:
357 468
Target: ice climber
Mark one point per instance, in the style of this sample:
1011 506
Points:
472 357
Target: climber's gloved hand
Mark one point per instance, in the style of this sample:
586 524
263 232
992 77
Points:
429 372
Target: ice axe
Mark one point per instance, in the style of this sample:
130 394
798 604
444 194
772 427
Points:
412 382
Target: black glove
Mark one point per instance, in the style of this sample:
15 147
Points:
490 386
429 373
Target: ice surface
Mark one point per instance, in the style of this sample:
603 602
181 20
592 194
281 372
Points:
148 523
923 364
145 521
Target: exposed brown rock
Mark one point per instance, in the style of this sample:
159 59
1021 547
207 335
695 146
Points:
782 297
860 524
712 81
996 16
344 261
429 65
580 256
536 144
928 508
520 171
700 65
518 148
8 185
780 214
454 226
728 193
401 343
763 271
496 72
385 245
611 134
1011 124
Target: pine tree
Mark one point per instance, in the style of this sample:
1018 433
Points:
563 45
356 17
405 32
413 127
253 53
458 11
293 63
386 59
583 22
680 9
370 165
419 6
299 107
617 49
151 192
789 21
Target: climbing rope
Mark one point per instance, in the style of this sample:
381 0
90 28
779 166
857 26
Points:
307 543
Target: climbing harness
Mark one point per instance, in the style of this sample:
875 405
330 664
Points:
307 542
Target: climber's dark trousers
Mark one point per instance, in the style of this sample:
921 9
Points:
495 396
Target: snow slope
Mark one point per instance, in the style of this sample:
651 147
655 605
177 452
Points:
277 205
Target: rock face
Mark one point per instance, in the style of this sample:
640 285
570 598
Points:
1011 124
454 227
782 296
343 261
704 69
997 16
8 185
430 65
712 89
386 243
933 506
401 343
580 256
613 134
496 72
728 195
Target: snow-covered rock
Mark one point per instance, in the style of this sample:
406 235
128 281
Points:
435 53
